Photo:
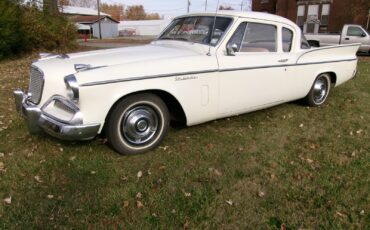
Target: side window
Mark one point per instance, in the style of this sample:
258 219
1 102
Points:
287 40
304 42
237 37
354 31
255 37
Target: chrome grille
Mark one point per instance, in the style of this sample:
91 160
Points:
36 85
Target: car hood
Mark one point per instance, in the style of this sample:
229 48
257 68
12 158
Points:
64 65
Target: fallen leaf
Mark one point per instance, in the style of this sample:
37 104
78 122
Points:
139 174
273 176
50 196
8 200
173 211
93 172
283 227
2 154
72 158
163 167
149 172
341 214
61 149
362 212
261 194
124 178
301 125
126 203
38 179
229 202
187 194
309 161
139 204
215 171
139 195
359 131
186 225
313 146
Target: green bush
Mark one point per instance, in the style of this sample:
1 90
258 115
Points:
25 28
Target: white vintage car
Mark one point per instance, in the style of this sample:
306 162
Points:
202 67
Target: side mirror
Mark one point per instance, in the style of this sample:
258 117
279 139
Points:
363 35
231 49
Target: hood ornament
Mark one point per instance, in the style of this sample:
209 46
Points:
85 67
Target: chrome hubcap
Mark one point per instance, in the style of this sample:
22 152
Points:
320 90
139 125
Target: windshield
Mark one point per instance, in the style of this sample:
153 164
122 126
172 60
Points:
197 29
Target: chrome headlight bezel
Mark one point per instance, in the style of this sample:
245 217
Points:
73 91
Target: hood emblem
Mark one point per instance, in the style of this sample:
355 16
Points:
85 67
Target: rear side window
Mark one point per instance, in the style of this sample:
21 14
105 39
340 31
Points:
304 42
287 40
255 37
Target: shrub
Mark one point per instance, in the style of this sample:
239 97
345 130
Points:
24 28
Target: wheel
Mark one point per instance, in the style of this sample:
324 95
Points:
137 124
319 90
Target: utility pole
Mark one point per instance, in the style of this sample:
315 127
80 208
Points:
99 19
188 6
206 6
241 5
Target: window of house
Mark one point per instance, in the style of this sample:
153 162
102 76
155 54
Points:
325 14
255 37
355 31
287 39
300 15
312 17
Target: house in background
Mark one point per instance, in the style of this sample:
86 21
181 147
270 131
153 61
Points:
142 27
315 16
87 21
109 26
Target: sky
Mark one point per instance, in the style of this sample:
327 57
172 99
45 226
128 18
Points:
171 8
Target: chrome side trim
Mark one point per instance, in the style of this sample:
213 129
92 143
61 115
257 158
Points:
206 71
147 77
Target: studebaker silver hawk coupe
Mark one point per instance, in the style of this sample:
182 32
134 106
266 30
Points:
202 67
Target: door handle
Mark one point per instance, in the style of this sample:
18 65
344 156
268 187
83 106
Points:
346 39
283 60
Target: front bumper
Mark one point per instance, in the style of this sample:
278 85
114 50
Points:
38 122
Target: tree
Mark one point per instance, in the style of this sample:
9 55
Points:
135 12
225 8
153 16
50 7
115 10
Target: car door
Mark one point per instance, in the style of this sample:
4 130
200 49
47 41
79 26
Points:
257 75
355 34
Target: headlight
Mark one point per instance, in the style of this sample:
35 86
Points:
72 88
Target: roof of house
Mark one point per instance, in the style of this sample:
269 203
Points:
80 11
91 19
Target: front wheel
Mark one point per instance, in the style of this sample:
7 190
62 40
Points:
137 124
319 91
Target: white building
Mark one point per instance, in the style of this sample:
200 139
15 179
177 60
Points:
90 25
142 27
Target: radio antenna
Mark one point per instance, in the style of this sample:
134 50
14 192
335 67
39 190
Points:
213 29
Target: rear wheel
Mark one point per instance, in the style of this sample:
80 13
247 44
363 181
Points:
319 90
137 124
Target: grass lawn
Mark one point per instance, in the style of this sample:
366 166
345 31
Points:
288 167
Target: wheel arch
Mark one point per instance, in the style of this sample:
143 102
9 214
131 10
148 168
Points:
174 107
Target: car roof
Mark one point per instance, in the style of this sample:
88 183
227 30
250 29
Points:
247 14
